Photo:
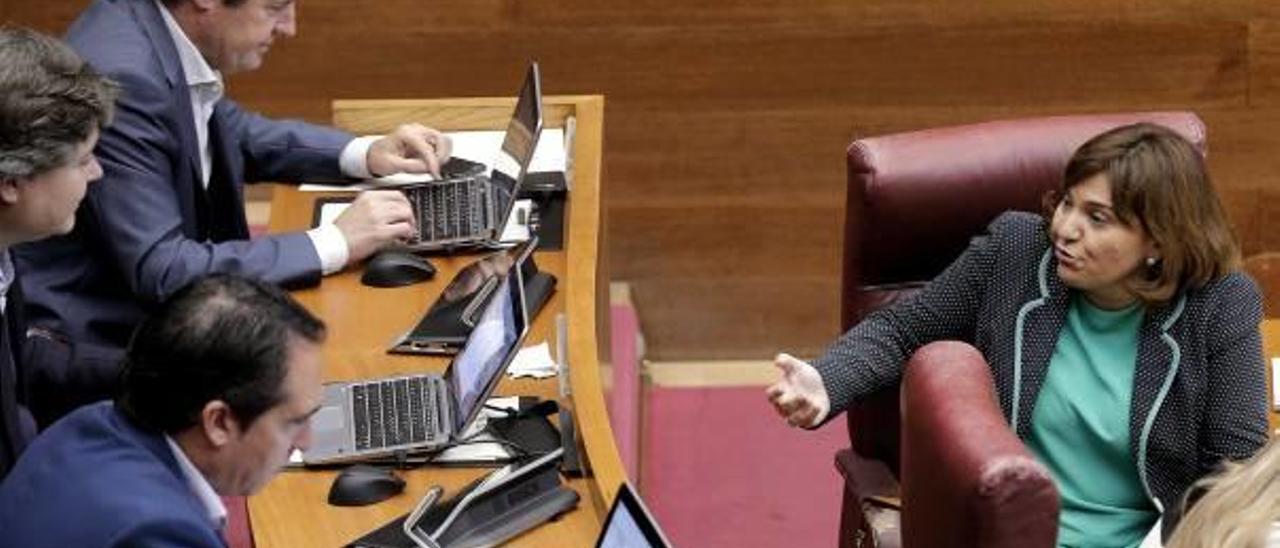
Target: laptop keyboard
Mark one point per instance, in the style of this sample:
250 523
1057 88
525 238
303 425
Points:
394 412
452 209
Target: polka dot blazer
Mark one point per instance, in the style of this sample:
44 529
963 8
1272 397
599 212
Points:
1199 392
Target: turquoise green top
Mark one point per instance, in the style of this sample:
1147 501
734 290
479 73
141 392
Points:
1080 428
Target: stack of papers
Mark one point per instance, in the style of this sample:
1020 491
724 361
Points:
475 447
533 361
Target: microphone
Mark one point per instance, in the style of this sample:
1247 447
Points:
571 461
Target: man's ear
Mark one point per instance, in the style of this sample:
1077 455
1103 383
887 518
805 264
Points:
205 5
219 423
9 191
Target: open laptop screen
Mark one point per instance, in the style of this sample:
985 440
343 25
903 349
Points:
629 524
520 140
493 342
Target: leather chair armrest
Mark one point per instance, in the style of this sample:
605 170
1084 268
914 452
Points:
868 516
865 477
967 479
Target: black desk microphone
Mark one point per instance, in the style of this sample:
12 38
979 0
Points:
571 462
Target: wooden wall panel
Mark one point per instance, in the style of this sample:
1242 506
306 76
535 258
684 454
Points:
747 241
727 120
882 13
1264 70
46 16
1156 65
729 318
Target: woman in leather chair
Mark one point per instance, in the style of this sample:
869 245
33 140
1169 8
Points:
1122 337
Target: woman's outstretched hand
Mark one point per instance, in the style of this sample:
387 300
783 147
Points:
799 395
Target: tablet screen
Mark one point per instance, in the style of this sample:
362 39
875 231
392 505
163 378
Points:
629 524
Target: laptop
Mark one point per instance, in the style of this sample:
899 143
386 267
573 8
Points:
629 524
471 211
401 415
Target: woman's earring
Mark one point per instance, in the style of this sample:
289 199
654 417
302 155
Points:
1153 267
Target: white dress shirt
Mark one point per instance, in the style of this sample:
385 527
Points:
6 279
206 88
199 486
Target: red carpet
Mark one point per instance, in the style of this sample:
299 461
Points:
720 469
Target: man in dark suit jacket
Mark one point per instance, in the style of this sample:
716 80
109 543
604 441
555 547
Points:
171 206
218 389
52 106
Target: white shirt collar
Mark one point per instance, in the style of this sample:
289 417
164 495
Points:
6 278
199 486
194 65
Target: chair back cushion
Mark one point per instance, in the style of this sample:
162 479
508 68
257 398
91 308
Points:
915 199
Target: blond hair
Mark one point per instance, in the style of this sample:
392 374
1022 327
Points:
1238 509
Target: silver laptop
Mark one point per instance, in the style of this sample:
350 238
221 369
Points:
402 415
471 211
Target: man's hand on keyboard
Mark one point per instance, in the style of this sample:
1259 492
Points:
411 148
376 219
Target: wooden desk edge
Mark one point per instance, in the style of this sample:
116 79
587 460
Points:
592 416
374 116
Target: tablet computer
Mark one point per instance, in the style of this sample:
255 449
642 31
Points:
445 326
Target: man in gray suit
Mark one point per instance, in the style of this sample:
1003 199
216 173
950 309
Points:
170 206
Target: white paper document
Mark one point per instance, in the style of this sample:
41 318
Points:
475 448
1275 383
533 361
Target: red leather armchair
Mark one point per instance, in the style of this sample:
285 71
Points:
914 201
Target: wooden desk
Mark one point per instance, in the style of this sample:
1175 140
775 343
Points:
292 510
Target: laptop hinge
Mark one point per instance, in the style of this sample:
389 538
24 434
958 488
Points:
491 199
448 406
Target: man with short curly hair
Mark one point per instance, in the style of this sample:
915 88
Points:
52 105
